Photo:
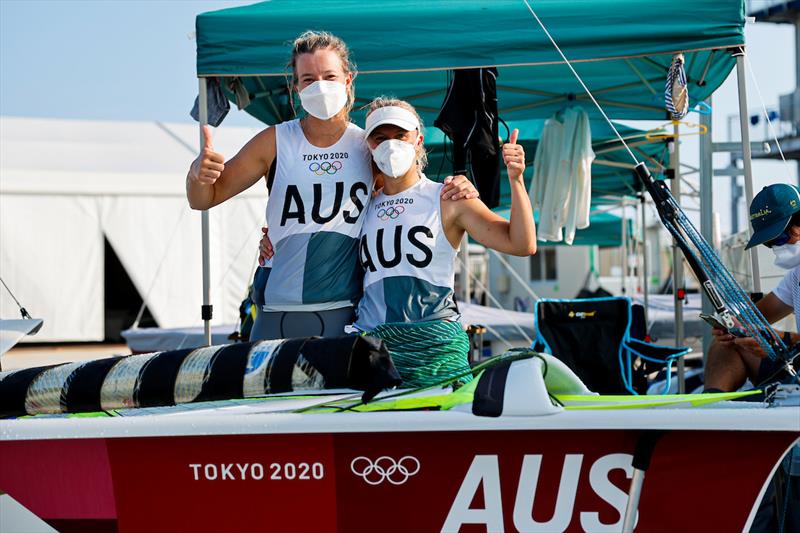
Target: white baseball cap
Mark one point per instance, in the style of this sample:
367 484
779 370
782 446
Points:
395 115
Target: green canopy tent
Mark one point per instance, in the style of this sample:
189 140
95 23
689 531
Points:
612 179
605 230
612 175
621 48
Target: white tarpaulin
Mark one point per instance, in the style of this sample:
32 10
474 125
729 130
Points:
510 326
65 185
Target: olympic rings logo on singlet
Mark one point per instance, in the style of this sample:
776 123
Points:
390 212
326 167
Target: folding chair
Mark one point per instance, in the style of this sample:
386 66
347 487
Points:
603 341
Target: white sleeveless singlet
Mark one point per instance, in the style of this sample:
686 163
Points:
407 259
315 212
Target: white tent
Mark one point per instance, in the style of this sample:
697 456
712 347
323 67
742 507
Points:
67 184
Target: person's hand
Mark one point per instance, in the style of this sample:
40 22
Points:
458 188
265 251
514 157
208 166
721 336
749 345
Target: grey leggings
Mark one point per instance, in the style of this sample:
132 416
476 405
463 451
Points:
289 324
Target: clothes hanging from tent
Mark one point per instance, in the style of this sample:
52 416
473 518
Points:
469 118
676 92
240 92
218 105
562 176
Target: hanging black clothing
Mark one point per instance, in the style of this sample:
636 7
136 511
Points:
469 118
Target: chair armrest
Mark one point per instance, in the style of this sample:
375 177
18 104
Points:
654 352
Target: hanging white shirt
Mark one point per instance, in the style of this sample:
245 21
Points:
562 176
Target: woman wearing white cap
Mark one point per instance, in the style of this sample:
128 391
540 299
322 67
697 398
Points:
409 242
318 171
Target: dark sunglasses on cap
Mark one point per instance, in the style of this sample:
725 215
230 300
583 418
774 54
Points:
780 240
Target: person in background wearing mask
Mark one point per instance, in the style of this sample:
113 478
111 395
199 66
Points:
409 243
318 171
775 217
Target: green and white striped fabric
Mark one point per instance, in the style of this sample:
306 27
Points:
426 352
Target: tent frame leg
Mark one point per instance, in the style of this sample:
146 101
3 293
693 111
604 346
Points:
465 269
747 158
206 312
644 265
677 259
707 206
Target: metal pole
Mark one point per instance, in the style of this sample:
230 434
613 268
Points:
707 207
633 501
677 258
206 310
645 270
624 265
747 158
465 268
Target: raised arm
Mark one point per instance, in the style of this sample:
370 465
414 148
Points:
516 236
211 180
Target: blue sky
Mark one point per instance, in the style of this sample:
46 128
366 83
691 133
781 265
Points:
101 59
135 60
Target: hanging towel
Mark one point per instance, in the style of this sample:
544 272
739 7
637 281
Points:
237 87
676 92
469 118
562 176
218 105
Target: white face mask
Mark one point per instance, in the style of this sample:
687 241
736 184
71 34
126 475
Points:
787 256
394 157
323 99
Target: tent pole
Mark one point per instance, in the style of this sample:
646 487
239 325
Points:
747 158
206 310
677 258
707 207
465 267
645 271
624 249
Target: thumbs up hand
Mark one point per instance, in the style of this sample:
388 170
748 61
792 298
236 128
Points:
514 157
208 166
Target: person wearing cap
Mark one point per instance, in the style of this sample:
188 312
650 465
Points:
775 217
409 243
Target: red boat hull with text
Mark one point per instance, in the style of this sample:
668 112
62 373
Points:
546 480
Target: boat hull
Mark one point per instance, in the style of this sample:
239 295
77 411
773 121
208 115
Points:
515 479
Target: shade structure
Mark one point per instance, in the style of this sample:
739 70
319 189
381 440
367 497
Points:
612 174
605 230
622 48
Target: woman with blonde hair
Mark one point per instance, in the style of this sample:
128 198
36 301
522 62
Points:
409 242
318 172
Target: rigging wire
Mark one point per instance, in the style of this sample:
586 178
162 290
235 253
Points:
704 262
580 80
763 106
22 310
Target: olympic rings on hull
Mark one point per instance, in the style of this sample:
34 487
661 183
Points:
326 167
385 468
391 212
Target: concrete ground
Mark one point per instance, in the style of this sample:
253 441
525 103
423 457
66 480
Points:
25 356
